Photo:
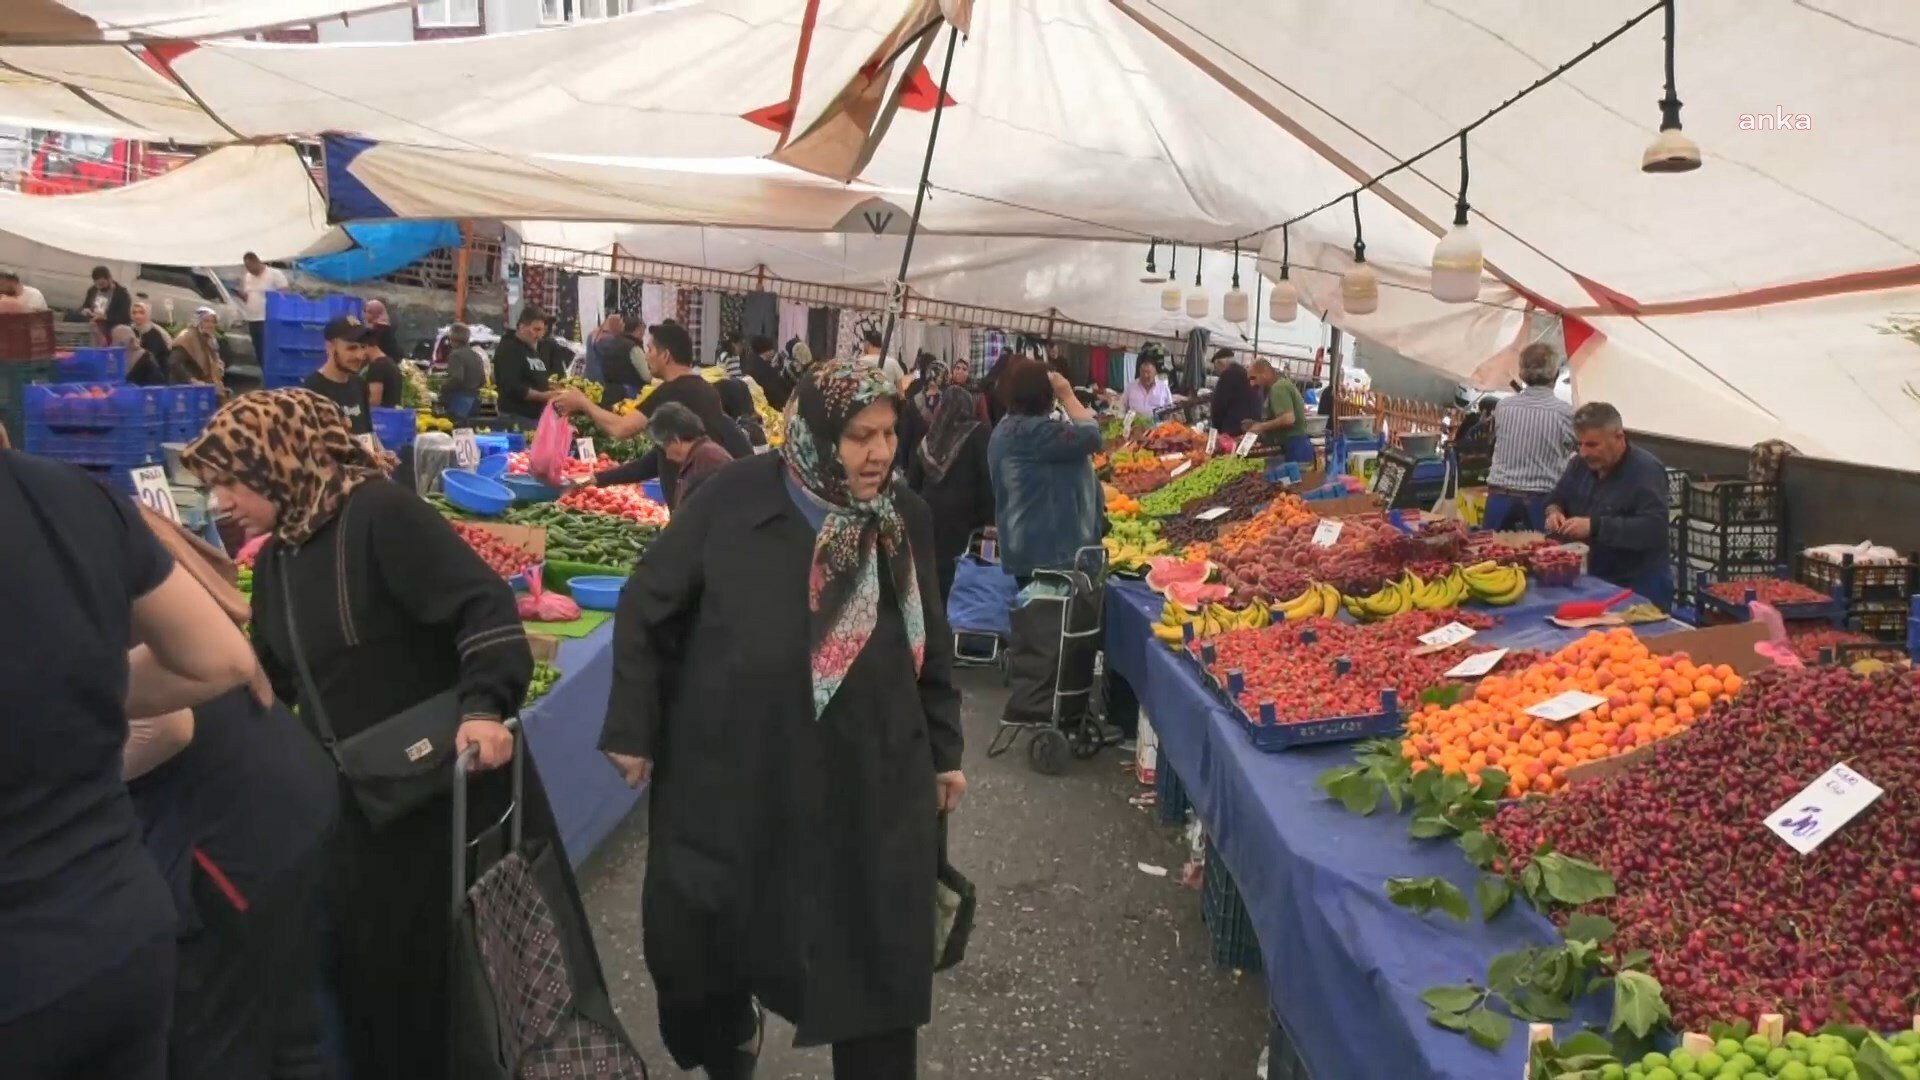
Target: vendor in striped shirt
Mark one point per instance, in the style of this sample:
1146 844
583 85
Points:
1532 440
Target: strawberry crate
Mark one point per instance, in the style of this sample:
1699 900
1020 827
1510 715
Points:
1728 501
1895 581
1269 734
1832 607
26 336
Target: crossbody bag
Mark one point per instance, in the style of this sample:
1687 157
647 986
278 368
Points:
395 766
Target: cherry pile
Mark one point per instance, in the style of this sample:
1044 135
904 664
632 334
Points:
1299 677
1737 922
1241 496
1809 636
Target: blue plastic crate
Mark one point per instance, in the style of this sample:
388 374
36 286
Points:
89 407
115 477
1834 608
91 365
1270 736
395 427
286 307
125 448
281 380
290 360
293 335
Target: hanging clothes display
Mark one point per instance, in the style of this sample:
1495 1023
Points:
628 300
655 304
687 308
539 284
709 322
762 317
1195 367
1097 366
593 303
566 307
793 323
820 334
733 314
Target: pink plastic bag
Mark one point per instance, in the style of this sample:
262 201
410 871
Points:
547 455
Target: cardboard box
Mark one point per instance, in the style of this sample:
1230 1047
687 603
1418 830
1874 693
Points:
1347 506
1731 645
531 539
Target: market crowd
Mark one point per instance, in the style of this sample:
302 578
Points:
213 866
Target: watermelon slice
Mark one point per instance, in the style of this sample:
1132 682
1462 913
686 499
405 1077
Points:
1167 570
1194 595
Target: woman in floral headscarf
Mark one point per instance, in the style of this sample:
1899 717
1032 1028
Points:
389 608
793 816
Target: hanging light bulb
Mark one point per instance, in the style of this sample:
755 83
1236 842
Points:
1152 276
1284 305
1197 300
1457 261
1360 286
1233 307
1671 151
1170 296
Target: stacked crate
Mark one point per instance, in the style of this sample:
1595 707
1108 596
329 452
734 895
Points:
26 357
295 339
1731 530
1877 595
107 430
1230 926
1677 537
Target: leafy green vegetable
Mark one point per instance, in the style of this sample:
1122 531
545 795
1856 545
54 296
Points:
1492 893
1421 895
1638 1004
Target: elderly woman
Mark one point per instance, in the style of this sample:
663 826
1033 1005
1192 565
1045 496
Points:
143 368
683 438
794 845
367 605
153 337
949 470
197 354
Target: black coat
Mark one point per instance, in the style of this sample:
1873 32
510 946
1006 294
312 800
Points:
790 856
961 501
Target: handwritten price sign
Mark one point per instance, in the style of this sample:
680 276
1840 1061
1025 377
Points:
151 488
466 449
1808 819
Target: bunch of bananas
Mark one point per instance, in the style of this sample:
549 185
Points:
1492 583
1132 553
1447 592
593 390
424 421
1318 602
1208 621
1393 598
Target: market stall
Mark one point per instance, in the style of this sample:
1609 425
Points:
563 731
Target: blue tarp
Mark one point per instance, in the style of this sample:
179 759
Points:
380 248
1345 967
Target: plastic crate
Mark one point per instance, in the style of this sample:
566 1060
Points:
1832 608
1170 796
1882 624
14 380
293 361
93 407
1856 581
1272 737
1676 491
395 427
1727 501
96 365
287 307
1235 947
127 448
26 336
1738 541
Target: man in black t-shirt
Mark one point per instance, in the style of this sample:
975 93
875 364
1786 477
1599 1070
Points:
520 371
339 379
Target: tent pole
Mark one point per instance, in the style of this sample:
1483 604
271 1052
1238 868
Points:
898 299
1333 379
460 271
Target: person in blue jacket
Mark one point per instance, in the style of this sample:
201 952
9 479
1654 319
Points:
1613 498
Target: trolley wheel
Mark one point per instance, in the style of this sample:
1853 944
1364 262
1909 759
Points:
1048 751
1088 739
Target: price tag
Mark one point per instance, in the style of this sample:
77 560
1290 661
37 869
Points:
1809 818
1173 457
466 451
1178 469
583 449
1561 707
1327 533
1451 634
151 488
1246 444
1476 665
1210 514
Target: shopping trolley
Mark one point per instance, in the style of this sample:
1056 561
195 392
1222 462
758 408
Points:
1057 668
979 606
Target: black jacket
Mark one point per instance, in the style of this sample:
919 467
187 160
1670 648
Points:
518 368
789 856
961 501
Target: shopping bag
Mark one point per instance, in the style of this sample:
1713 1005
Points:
547 454
529 1001
981 598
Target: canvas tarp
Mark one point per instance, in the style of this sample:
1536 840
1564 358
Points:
205 213
51 21
1209 119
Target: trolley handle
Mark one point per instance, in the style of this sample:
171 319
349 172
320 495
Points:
514 818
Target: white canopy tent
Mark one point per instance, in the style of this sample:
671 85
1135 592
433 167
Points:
1730 304
67 21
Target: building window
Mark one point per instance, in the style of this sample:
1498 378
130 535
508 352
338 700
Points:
434 13
555 12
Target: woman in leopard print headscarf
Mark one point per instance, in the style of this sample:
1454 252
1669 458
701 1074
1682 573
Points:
292 448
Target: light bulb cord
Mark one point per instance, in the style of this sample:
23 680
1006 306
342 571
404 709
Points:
1236 264
1670 105
1359 239
1460 204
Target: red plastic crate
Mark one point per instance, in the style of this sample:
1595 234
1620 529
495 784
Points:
26 336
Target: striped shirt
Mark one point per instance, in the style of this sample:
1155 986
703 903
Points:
1532 440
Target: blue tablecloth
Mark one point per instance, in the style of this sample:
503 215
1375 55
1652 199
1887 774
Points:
563 729
1345 967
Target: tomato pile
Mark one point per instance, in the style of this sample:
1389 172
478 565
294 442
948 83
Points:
1648 698
501 557
625 500
1279 664
517 465
1736 921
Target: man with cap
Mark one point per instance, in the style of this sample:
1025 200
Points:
339 380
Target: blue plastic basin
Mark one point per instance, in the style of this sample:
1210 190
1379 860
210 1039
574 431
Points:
596 593
492 468
475 494
528 490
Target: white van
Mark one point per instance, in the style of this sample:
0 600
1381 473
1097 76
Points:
172 292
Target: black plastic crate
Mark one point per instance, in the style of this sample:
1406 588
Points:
1170 795
1283 1058
1231 928
1728 501
1881 623
1676 491
1892 582
1736 542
